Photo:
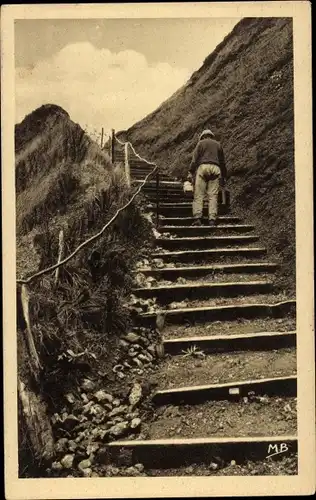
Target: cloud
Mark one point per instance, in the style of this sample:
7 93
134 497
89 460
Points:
96 86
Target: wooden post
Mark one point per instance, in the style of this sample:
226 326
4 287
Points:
60 253
35 418
113 146
34 359
127 169
102 133
157 198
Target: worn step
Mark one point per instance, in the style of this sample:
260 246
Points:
205 242
225 328
165 185
195 291
137 176
187 221
206 230
176 197
173 452
172 273
211 254
280 386
244 417
184 209
221 312
230 343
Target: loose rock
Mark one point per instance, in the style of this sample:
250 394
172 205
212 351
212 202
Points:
103 396
72 446
87 472
70 398
135 423
61 445
87 385
84 464
132 338
56 466
117 411
135 394
119 429
67 461
139 467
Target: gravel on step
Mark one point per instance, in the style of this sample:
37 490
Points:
262 416
180 371
239 300
238 327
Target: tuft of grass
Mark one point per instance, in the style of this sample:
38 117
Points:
193 351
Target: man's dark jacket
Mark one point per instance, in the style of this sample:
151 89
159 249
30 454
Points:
208 150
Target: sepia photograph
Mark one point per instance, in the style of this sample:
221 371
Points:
156 264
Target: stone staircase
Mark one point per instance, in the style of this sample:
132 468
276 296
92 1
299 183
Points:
216 291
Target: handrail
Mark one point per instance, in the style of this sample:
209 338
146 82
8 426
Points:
149 163
89 240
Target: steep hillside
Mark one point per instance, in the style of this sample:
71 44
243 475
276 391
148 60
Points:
244 92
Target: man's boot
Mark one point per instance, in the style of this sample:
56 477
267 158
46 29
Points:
197 222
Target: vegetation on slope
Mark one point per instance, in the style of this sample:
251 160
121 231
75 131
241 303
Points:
244 92
65 182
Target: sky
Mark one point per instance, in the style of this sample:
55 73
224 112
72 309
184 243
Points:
109 72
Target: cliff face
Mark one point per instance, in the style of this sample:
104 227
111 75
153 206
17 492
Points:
244 93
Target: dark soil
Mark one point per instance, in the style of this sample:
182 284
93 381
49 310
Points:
231 327
286 466
274 416
180 371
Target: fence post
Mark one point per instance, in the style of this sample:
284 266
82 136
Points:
127 169
60 253
34 361
157 197
102 133
113 146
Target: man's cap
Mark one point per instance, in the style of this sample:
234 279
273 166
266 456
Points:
207 132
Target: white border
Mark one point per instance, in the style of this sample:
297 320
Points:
304 482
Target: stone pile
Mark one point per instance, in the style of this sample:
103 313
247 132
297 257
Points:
93 416
139 351
89 420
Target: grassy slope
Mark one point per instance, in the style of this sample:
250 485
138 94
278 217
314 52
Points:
64 181
244 92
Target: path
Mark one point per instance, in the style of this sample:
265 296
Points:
230 377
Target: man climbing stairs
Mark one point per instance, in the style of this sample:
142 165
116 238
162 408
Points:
229 375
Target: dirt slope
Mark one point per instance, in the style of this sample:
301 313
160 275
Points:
244 92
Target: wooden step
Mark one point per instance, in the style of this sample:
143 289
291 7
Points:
259 341
164 185
210 254
172 453
220 313
187 221
205 230
206 242
195 291
184 209
172 273
274 386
